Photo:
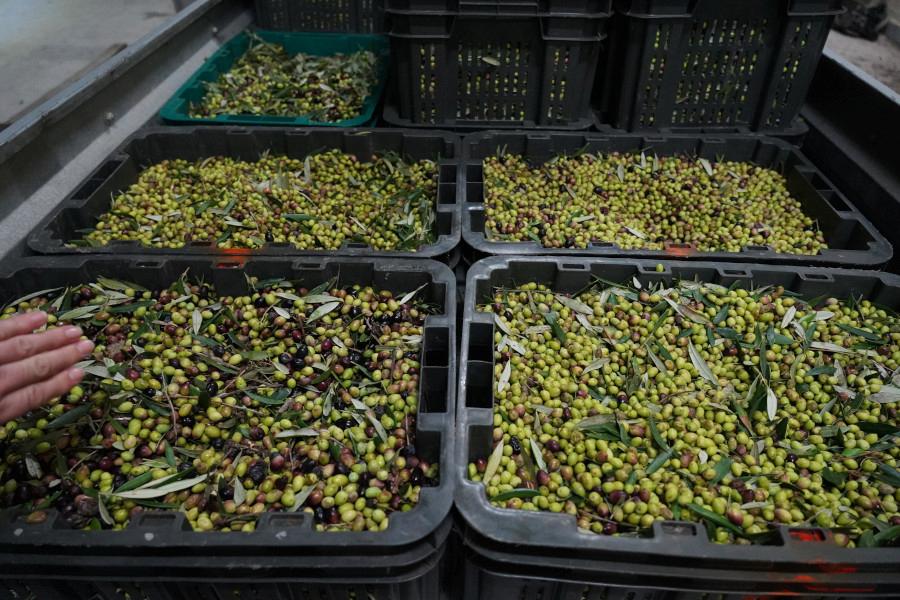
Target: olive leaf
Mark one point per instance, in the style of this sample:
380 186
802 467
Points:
886 395
536 453
33 467
281 312
722 468
523 493
32 296
706 166
657 436
823 315
320 299
701 365
491 61
410 295
135 483
688 312
196 321
300 498
69 417
240 494
322 311
516 346
788 316
156 492
82 312
575 305
829 347
596 365
660 460
721 315
502 325
657 362
867 335
771 404
552 320
583 321
715 519
290 433
104 512
635 232
503 382
493 463
536 329
834 478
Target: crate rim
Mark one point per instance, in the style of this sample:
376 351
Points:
504 527
171 115
271 534
879 253
41 240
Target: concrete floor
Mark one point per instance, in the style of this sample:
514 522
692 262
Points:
45 44
880 58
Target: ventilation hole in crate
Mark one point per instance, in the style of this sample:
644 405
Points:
424 73
148 264
717 71
655 75
815 276
799 53
559 78
492 81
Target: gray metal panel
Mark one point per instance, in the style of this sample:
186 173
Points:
47 152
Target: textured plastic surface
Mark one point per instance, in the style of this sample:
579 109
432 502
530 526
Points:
177 109
544 555
92 198
490 66
351 16
708 63
852 239
285 545
795 134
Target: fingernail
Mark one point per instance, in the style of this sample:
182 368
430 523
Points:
38 316
75 375
73 332
85 346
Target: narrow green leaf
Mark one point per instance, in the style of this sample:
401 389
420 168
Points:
523 493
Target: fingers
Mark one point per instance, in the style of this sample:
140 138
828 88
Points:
23 346
28 398
21 324
17 375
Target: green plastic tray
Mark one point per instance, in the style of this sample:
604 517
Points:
177 109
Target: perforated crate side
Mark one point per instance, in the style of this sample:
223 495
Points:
477 71
351 16
744 63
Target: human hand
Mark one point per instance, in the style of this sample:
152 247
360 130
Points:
35 367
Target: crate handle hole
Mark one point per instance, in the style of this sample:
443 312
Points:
815 276
574 267
148 264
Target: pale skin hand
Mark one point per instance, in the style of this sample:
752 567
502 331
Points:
35 367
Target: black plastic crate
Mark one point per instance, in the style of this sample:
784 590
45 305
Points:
285 557
514 554
351 16
92 198
708 63
795 134
495 65
853 241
